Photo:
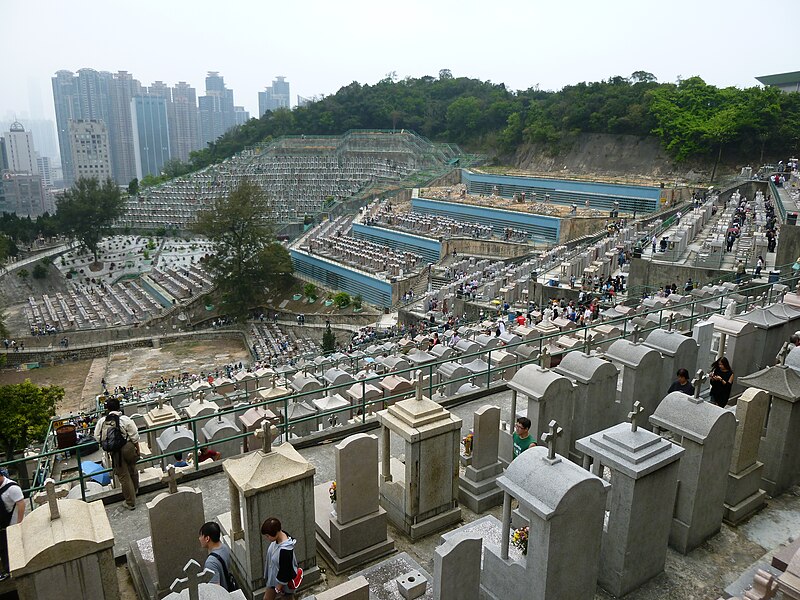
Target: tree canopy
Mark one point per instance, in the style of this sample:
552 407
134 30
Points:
247 259
691 118
87 210
25 412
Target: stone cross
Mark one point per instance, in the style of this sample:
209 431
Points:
587 345
274 379
634 415
544 358
51 496
699 380
418 385
171 478
265 435
195 575
670 321
549 438
781 358
636 331
160 401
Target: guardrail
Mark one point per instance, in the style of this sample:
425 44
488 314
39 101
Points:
363 410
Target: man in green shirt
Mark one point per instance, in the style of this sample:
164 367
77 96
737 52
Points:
522 438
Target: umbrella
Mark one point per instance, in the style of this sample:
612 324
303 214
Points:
89 467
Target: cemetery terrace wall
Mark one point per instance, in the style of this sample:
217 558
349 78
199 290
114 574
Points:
642 199
493 249
655 274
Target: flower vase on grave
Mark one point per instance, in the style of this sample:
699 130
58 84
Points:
332 493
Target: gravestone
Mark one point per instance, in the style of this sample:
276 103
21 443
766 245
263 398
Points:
220 428
175 439
744 496
271 482
780 448
251 420
457 568
201 408
364 397
703 334
420 494
638 364
452 376
735 340
565 506
767 337
162 414
549 396
644 471
677 352
706 432
595 382
355 533
477 489
66 545
174 516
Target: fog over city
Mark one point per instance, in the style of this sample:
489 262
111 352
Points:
321 46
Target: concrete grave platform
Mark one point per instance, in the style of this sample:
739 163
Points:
381 577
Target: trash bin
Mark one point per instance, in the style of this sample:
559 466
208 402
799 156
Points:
774 276
66 436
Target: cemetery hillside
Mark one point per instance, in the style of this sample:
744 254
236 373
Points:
424 338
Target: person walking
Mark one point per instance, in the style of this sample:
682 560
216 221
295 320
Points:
281 573
119 437
721 382
219 555
759 266
739 272
12 511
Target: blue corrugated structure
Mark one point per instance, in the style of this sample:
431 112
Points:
540 228
429 248
639 198
341 278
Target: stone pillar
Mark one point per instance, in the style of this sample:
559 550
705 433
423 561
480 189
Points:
457 569
421 495
644 480
276 483
707 433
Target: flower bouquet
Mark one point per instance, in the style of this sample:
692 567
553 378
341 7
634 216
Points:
520 540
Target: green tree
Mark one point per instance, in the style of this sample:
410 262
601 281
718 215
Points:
328 341
23 274
310 291
87 210
133 187
357 301
39 271
25 412
342 300
247 258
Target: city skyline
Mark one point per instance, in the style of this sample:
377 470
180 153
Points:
321 47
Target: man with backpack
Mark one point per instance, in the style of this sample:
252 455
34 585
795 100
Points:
219 556
12 510
119 436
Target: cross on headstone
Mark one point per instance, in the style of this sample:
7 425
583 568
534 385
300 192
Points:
195 575
160 402
265 435
698 381
670 321
51 496
781 358
587 345
635 333
634 415
274 379
418 385
544 358
171 478
549 438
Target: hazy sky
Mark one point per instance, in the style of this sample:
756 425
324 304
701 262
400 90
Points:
321 46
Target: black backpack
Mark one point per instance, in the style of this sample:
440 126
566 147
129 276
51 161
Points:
227 575
5 514
112 437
